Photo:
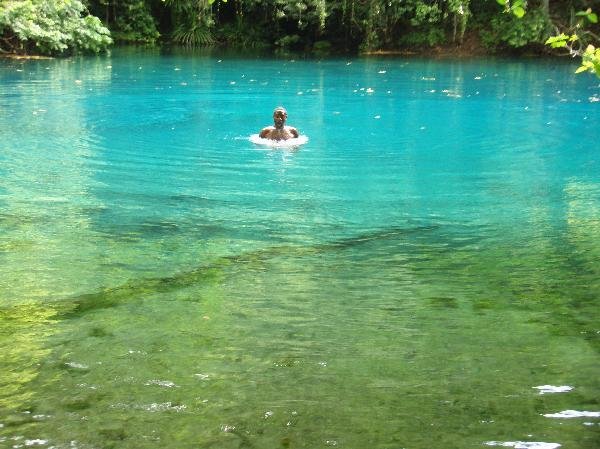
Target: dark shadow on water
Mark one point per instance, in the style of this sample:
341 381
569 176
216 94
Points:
207 274
430 249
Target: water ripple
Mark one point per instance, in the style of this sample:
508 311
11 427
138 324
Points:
524 444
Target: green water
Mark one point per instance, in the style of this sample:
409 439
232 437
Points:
404 280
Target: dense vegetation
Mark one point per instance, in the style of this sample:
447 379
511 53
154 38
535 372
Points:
59 26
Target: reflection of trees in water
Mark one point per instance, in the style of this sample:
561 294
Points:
583 233
22 351
47 179
386 308
44 239
583 221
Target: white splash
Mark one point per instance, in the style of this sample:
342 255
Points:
451 93
290 143
161 383
36 442
573 414
165 406
76 365
553 389
524 444
134 351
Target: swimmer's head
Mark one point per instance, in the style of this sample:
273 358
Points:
279 117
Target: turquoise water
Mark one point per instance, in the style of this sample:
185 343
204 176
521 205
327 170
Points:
406 279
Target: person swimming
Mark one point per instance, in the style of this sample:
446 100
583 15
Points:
280 131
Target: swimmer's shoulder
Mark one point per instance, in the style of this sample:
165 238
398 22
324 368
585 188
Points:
266 131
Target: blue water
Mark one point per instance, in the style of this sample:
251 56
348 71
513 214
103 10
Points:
405 279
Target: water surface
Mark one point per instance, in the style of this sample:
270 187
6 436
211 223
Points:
408 278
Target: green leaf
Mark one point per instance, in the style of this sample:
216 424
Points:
501 2
560 37
588 14
518 11
581 69
558 41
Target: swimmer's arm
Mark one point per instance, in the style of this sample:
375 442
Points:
294 132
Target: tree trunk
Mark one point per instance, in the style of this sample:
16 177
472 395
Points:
455 19
546 7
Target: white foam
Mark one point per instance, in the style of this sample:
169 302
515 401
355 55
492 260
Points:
165 406
289 143
524 444
573 414
76 365
36 442
553 389
161 383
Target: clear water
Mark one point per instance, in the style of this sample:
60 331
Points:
406 279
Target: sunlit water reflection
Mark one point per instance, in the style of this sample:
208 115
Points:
423 272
